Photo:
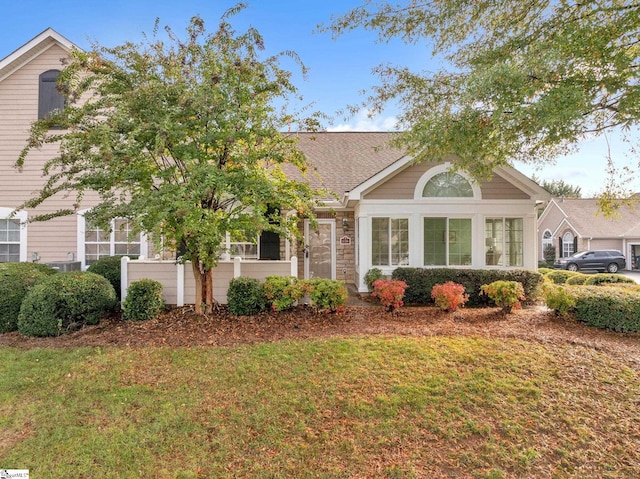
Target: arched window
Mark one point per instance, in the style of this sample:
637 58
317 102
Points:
49 98
547 240
447 185
567 244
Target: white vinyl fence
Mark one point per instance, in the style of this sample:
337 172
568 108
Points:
178 283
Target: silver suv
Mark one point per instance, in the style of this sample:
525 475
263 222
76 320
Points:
599 260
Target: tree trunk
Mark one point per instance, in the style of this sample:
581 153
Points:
204 287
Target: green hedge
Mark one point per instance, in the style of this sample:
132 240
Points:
245 296
560 276
16 279
64 302
144 300
109 268
607 278
609 307
420 282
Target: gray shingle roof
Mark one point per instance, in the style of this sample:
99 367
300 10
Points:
584 216
343 160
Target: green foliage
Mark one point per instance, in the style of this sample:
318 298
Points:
560 276
558 189
607 278
610 307
449 296
110 268
245 296
16 279
283 292
577 278
390 293
182 138
507 295
144 300
558 299
421 281
64 302
371 276
327 296
549 253
544 271
525 81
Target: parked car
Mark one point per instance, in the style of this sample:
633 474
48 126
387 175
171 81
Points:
599 260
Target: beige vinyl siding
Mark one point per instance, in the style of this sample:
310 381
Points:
402 186
162 272
611 243
553 217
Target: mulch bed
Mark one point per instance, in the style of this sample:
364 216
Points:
180 327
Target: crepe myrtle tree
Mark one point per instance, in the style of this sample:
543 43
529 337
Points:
520 80
181 137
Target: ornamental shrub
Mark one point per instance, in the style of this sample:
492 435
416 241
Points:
607 278
283 292
16 279
449 296
507 295
560 276
420 282
64 302
245 296
371 276
327 296
613 307
390 293
144 300
544 270
110 268
578 278
558 298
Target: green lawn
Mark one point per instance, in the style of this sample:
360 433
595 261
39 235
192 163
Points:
339 408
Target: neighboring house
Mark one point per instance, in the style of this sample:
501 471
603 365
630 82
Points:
576 224
388 211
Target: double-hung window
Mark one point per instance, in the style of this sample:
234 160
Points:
120 241
504 241
9 240
389 241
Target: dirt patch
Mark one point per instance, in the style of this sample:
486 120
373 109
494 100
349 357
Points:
180 327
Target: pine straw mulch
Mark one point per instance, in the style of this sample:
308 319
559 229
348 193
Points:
181 327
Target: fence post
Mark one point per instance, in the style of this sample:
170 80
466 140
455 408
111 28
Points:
124 277
294 266
180 284
237 267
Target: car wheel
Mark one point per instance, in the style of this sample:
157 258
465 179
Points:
612 268
572 267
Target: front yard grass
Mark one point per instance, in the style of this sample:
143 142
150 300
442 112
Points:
390 407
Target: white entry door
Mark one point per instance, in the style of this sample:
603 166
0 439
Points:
320 250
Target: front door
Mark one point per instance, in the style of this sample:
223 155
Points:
320 251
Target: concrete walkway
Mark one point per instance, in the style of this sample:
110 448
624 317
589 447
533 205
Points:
634 275
355 298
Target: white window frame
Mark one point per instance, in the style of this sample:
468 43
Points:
80 245
567 246
444 168
502 261
22 216
447 218
390 252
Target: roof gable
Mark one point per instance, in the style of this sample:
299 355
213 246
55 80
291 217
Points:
30 50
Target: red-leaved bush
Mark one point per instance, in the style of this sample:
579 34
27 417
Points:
449 296
389 292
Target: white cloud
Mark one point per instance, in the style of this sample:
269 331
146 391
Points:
363 122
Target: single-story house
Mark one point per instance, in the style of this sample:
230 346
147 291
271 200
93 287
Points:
577 224
388 212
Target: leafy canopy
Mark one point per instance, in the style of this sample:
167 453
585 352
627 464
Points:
527 79
181 136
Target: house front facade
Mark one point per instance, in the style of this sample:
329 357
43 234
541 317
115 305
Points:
570 225
387 211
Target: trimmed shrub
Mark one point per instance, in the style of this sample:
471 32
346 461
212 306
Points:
558 299
578 278
449 296
245 296
390 293
16 279
507 295
282 292
109 268
607 278
560 276
327 296
144 300
64 302
544 270
371 276
614 308
421 281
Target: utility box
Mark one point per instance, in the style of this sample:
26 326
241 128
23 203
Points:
64 266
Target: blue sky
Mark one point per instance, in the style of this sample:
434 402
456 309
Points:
338 69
